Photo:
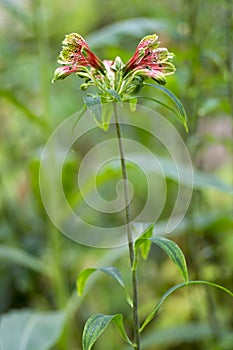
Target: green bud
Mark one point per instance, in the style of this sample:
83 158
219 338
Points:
117 64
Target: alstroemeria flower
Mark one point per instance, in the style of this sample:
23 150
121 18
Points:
74 55
149 61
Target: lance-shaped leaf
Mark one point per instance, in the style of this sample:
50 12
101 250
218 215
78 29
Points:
181 114
160 103
174 252
152 314
82 279
109 270
96 325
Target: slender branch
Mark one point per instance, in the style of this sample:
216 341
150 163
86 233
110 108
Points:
129 231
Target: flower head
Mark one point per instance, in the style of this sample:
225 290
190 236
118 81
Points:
75 55
149 61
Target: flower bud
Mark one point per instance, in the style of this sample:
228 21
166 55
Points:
62 72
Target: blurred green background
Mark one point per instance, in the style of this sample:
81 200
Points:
39 265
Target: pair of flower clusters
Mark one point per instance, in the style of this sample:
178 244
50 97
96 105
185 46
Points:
149 60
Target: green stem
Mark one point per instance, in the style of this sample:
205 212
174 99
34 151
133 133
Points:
229 54
229 46
129 231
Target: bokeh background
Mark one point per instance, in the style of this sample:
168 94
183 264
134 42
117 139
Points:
38 264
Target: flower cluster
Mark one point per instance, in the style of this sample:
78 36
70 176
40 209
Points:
149 61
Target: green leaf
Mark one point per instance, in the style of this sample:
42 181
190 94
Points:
159 102
118 321
75 303
114 273
109 270
94 106
182 114
115 95
96 325
27 330
106 115
133 104
145 247
172 290
140 242
20 257
82 279
174 252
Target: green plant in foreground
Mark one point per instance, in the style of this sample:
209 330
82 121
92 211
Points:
119 82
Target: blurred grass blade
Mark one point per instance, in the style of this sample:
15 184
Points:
179 335
23 108
204 180
114 33
174 289
174 252
18 12
20 257
97 324
80 114
182 114
27 330
201 179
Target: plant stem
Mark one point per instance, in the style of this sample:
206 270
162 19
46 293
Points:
129 231
229 58
229 46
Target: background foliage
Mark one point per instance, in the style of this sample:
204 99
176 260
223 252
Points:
39 265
